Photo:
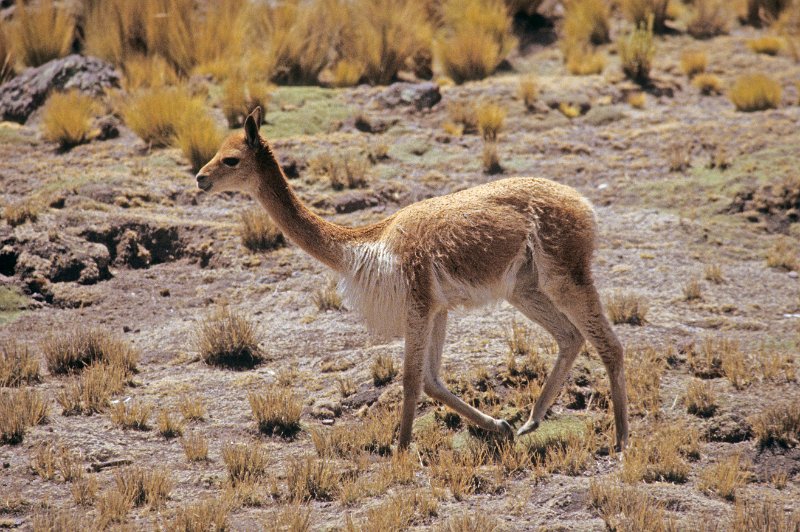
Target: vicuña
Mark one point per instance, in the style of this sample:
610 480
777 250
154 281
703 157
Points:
528 241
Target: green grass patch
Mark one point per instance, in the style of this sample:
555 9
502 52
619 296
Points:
304 111
12 303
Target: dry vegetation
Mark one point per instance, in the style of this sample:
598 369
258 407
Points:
636 52
68 118
228 339
18 365
258 232
755 92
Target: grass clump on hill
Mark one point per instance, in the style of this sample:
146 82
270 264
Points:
755 92
6 57
18 365
240 96
641 12
476 37
276 411
767 45
491 118
258 232
778 425
67 119
636 52
78 349
627 308
42 32
708 84
227 339
693 62
586 24
711 18
20 409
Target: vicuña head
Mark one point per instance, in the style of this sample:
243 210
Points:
528 241
236 165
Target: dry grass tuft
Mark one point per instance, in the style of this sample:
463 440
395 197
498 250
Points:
277 411
636 52
199 140
93 390
153 72
586 22
627 507
49 519
783 255
490 120
327 297
19 213
42 32
80 348
346 386
240 96
767 514
67 119
721 357
84 491
693 62
168 426
131 414
346 171
7 58
112 507
312 479
755 92
692 290
258 232
20 409
778 425
140 486
724 477
637 100
640 12
245 463
490 159
18 365
627 308
529 92
195 447
708 84
713 273
375 435
293 518
661 455
476 37
767 45
700 399
711 18
192 408
583 62
227 339
157 115
49 458
202 516
645 370
383 370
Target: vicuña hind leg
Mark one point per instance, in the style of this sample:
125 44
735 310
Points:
581 303
435 389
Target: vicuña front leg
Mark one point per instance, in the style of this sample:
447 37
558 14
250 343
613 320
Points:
418 329
435 389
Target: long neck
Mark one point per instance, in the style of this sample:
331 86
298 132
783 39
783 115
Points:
323 240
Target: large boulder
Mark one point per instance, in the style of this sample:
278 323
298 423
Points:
420 95
25 93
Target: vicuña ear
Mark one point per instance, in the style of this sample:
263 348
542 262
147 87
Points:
251 126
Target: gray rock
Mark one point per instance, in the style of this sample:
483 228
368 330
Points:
420 95
354 200
25 93
67 259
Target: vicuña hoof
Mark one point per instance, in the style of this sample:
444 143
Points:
505 428
530 426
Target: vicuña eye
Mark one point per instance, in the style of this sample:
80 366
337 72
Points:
230 161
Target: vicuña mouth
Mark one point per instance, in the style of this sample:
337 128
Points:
204 186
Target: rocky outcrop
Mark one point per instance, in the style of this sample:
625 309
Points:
420 95
27 92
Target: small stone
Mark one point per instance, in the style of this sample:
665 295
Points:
793 275
164 292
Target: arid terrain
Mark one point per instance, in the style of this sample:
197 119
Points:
698 209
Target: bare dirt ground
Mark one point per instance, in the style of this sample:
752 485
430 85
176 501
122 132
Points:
659 228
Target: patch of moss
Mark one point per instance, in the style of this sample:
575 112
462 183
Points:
12 303
304 111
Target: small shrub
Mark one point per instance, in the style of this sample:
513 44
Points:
43 32
693 63
20 409
312 479
766 45
708 84
195 446
627 308
778 425
640 12
18 365
75 350
529 92
131 414
755 92
258 232
711 18
245 463
783 255
724 477
67 119
490 159
636 52
327 297
202 516
18 214
692 290
228 339
383 370
700 399
198 139
476 37
490 120
276 411
168 426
